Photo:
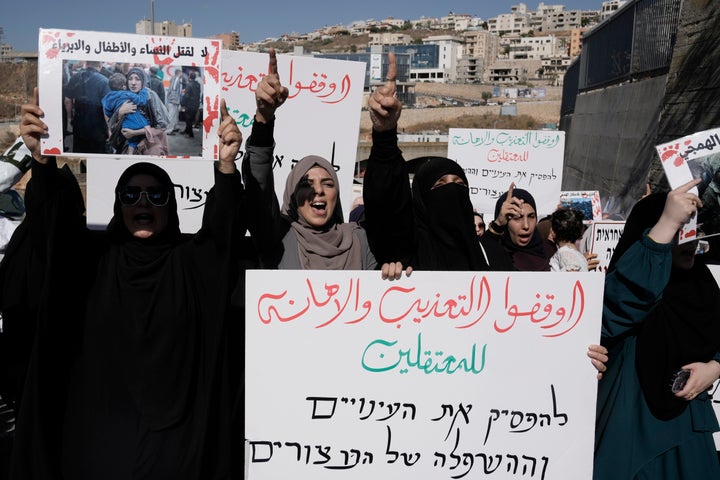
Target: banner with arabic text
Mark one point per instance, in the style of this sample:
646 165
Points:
442 375
492 159
66 87
320 117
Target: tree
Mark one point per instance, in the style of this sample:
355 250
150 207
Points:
486 95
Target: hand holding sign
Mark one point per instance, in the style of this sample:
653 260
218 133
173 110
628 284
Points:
384 106
680 207
32 128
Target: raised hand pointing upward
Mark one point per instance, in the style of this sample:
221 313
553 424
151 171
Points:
383 105
270 93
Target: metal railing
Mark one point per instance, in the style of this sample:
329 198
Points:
637 41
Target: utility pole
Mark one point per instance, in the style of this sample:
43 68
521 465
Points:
152 17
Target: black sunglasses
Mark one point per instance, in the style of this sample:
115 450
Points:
130 196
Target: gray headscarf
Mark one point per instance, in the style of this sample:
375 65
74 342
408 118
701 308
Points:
332 247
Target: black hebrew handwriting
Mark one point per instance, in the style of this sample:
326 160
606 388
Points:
323 455
191 194
409 459
491 463
520 422
323 408
450 411
609 235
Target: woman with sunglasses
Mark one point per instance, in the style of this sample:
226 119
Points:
127 371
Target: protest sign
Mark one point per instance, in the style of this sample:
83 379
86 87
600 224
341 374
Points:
689 157
192 179
492 159
320 117
63 74
440 375
586 202
604 238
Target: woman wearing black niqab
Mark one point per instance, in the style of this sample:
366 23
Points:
661 314
143 347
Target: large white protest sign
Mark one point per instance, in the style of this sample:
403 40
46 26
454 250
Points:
192 180
321 116
694 156
60 51
440 375
492 159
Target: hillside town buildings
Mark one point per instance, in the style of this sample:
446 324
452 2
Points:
519 46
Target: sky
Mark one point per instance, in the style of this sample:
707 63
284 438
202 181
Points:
254 20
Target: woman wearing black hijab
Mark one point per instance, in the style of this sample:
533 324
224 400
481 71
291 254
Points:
431 228
514 227
661 315
128 375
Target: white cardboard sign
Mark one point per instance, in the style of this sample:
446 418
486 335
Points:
440 375
492 159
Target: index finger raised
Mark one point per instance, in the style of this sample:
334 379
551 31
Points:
392 68
272 63
223 110
511 189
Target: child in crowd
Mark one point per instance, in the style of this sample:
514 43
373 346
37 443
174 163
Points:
134 123
567 228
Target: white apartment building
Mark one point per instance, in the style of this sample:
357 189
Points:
510 23
393 22
609 7
481 48
389 38
561 20
450 53
535 48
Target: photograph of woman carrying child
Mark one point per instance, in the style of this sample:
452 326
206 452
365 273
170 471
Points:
114 110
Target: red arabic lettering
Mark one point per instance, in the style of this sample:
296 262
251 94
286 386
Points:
250 81
539 314
476 303
275 308
318 87
495 155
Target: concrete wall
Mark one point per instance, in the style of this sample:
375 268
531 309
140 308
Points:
612 133
610 141
692 97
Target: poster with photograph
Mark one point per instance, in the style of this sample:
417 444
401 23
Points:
492 159
118 94
586 202
696 156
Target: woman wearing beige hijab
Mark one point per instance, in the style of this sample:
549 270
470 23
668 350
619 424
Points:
308 232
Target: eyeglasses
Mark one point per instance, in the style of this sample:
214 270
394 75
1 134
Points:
130 196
